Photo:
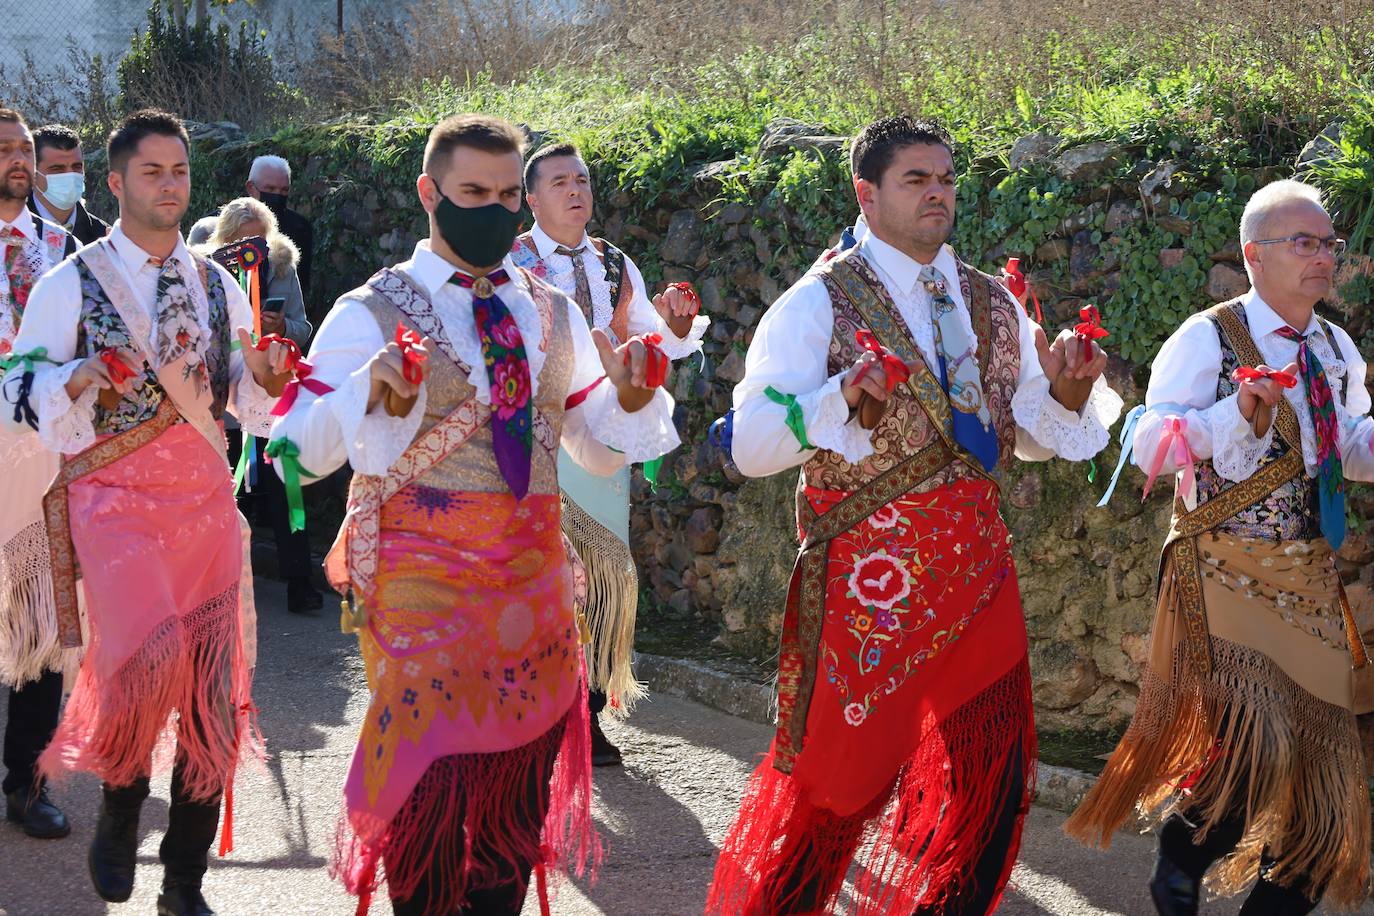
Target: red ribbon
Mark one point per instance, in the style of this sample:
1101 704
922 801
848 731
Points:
1017 284
692 297
894 369
577 397
1089 329
655 360
1251 374
293 388
409 342
119 370
293 350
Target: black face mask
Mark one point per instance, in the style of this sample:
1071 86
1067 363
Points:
275 202
482 236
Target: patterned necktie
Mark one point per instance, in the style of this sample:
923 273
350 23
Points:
583 295
503 351
1330 476
959 373
19 271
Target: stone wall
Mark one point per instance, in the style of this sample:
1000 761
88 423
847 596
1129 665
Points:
718 549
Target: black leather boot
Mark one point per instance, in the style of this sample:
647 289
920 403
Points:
604 753
1172 890
32 810
182 900
114 850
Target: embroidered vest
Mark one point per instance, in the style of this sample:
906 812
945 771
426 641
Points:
472 466
101 327
907 426
526 255
1290 512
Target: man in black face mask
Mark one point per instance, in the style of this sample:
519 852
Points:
449 382
269 180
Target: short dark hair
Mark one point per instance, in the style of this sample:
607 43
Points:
481 132
876 144
10 116
54 136
548 151
125 138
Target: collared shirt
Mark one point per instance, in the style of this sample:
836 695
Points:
336 428
1183 383
643 318
790 354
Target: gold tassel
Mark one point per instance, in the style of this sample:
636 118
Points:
612 601
352 615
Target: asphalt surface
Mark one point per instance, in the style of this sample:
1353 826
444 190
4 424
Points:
661 816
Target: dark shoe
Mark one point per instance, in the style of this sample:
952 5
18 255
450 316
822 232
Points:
182 900
303 599
604 753
114 851
1172 890
33 811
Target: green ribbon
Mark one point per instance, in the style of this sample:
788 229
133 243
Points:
1092 470
651 472
289 454
245 458
795 421
36 355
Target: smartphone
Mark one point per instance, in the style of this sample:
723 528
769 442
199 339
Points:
274 304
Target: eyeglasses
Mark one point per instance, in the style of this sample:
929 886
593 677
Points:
1305 246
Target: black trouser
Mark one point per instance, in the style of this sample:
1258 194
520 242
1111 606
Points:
505 899
596 701
269 499
34 709
1266 899
974 897
191 827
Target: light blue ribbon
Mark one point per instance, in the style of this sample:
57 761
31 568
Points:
1127 440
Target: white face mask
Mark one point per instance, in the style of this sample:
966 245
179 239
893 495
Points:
65 189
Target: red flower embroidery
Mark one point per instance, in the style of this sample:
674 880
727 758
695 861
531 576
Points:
510 387
507 333
880 580
886 517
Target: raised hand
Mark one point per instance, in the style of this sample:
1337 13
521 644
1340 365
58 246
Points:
1257 398
628 376
677 305
272 367
387 369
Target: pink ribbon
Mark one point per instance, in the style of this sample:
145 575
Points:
293 388
1174 433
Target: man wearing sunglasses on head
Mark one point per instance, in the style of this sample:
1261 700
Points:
1244 737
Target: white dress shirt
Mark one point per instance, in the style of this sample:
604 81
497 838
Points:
790 353
1183 383
643 317
52 321
335 428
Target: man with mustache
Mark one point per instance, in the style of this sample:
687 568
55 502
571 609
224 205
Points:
31 656
125 363
901 380
1244 737
472 767
612 294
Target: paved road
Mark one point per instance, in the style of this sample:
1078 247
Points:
661 817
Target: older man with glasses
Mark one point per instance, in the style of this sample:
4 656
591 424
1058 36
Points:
1244 737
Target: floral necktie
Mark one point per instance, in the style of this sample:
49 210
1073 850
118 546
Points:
972 420
19 271
1330 475
178 335
508 371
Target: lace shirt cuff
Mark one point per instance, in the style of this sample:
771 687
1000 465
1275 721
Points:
641 436
253 406
1236 453
374 441
676 348
1074 436
64 425
829 426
